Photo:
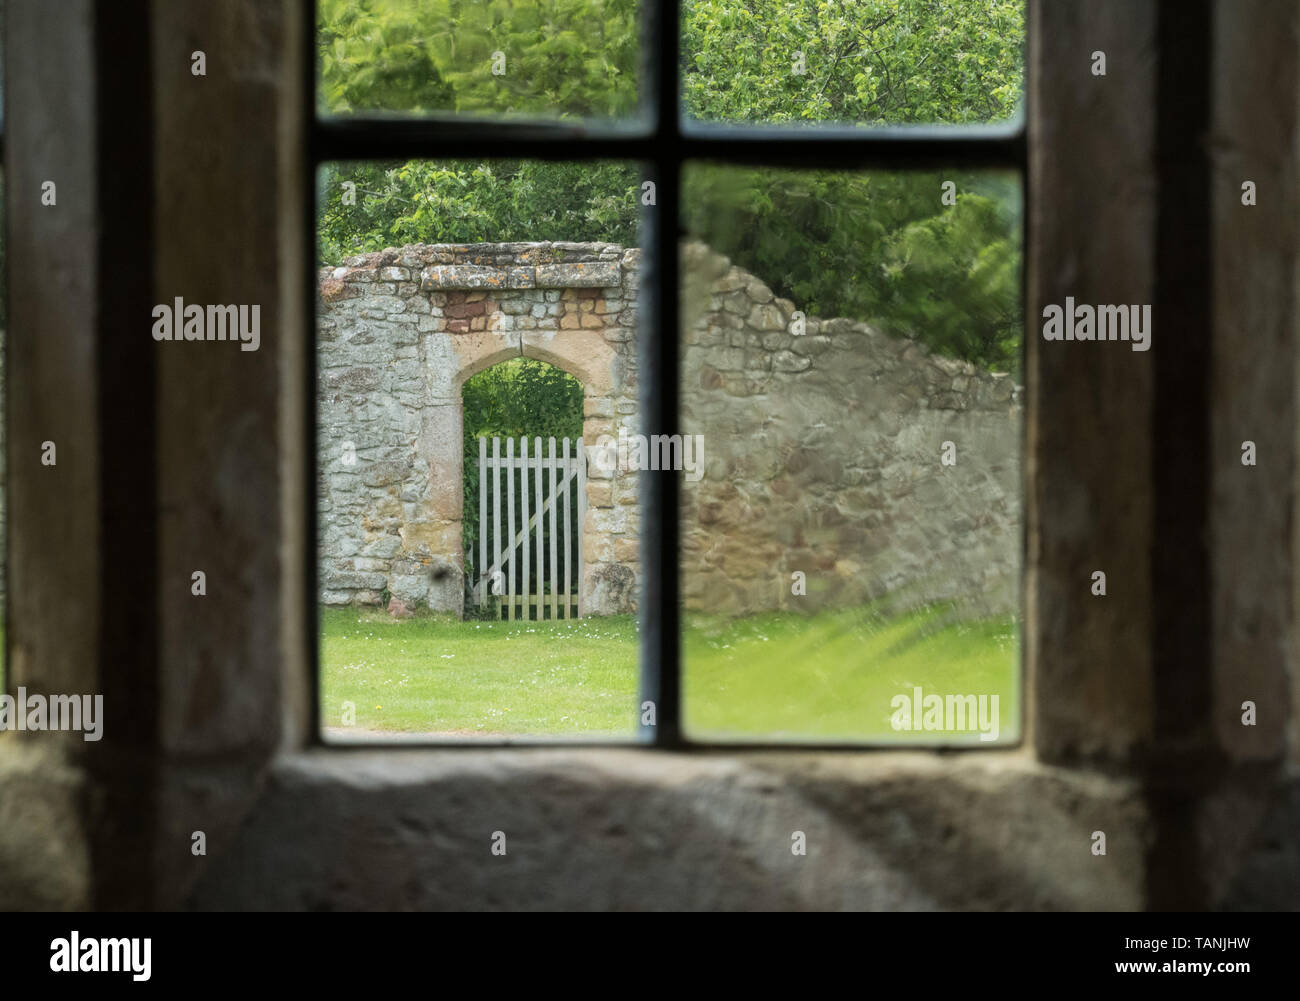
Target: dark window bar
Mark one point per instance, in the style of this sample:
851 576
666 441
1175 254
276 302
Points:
662 142
661 660
671 141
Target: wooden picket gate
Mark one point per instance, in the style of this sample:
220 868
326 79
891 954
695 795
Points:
525 588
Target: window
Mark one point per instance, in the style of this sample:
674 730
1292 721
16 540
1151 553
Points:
722 361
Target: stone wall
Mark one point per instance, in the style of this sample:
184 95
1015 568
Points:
821 449
824 454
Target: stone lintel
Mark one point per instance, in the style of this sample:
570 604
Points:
595 274
586 274
474 276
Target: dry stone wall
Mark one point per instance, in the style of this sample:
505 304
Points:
825 456
822 450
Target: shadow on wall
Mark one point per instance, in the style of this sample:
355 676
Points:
821 449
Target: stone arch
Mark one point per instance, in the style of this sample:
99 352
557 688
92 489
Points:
584 354
471 366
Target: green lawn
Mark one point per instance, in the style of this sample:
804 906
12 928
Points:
571 677
780 676
833 676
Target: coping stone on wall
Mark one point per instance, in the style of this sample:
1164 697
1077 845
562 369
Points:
596 274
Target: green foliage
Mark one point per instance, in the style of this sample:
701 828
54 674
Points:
522 396
458 201
956 277
562 57
866 61
518 397
872 246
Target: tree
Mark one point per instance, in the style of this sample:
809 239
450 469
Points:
869 245
557 57
876 62
458 201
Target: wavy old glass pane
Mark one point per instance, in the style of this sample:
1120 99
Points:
859 62
851 400
476 357
512 58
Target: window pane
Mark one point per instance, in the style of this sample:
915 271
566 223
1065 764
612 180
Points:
851 536
869 62
464 388
526 58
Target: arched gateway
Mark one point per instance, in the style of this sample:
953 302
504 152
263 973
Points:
400 331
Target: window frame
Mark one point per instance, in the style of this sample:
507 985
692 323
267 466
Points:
663 139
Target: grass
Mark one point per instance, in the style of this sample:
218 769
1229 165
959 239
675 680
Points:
832 676
427 674
776 676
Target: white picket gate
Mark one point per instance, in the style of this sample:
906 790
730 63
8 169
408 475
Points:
528 593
